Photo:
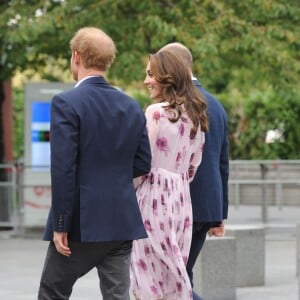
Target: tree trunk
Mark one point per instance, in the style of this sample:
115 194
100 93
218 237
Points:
2 97
4 215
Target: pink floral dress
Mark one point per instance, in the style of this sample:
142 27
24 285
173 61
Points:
158 265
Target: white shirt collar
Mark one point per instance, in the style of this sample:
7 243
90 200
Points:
83 79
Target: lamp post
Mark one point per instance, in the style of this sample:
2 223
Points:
264 204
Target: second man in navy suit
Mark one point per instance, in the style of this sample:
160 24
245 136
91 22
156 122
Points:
209 189
99 143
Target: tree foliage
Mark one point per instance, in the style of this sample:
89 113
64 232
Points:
268 128
254 36
244 51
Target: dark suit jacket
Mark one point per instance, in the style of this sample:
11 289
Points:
99 142
209 189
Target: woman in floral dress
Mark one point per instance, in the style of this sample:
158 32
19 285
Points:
176 124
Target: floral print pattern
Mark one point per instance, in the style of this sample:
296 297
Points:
162 144
158 262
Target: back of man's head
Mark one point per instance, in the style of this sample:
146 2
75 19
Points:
182 51
96 48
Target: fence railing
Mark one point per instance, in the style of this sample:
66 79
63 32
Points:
265 183
251 182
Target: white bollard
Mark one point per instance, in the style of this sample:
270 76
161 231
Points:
250 253
214 271
297 248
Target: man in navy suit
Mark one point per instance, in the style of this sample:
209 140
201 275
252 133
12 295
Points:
209 189
99 143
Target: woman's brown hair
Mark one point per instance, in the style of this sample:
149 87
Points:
174 76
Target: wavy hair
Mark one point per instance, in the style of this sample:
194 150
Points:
178 90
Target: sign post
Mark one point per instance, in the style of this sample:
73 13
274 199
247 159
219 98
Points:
36 192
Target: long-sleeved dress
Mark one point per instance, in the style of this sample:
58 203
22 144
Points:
158 265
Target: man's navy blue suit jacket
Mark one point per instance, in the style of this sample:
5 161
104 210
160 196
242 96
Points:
209 189
99 143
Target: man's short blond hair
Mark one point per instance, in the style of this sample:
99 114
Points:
97 50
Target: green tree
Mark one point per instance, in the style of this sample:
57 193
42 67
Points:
240 48
257 38
265 114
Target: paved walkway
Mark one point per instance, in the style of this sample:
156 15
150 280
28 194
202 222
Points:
281 282
21 260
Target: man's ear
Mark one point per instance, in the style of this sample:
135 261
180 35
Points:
76 57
